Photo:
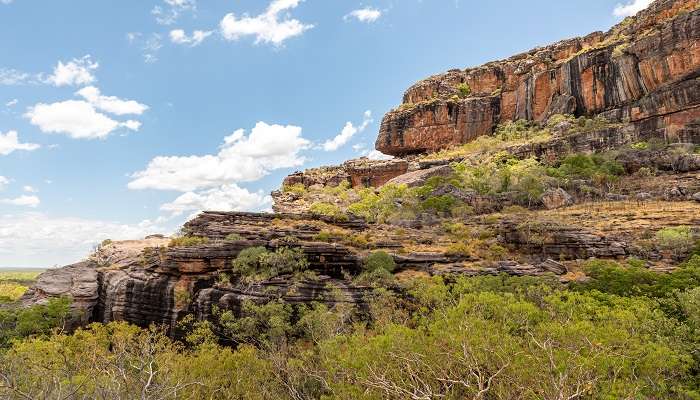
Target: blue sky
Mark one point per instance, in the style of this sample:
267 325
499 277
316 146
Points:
123 118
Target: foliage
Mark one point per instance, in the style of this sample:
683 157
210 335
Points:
464 90
234 237
379 260
596 168
328 210
16 323
679 239
297 188
633 280
491 337
188 241
257 263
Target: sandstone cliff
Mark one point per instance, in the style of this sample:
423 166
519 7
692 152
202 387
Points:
456 212
643 71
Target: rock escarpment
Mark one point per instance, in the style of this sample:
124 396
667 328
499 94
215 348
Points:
644 72
641 78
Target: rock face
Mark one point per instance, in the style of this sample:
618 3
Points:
643 71
361 172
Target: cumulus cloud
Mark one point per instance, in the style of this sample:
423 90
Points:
3 182
377 155
178 36
229 197
111 104
240 159
168 13
268 27
24 201
9 143
631 8
367 14
29 189
35 239
349 130
76 118
75 72
12 103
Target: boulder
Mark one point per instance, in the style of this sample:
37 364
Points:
420 177
556 198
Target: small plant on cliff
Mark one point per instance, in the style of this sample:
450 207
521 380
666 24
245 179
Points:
188 241
257 263
297 188
234 237
464 90
379 260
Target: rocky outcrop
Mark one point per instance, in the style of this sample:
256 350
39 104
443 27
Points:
360 172
643 71
77 281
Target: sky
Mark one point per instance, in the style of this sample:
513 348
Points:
123 118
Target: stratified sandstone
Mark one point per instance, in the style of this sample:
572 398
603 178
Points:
643 72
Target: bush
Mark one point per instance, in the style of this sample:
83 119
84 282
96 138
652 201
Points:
297 188
464 90
17 323
257 263
380 260
234 237
439 204
679 238
188 241
328 210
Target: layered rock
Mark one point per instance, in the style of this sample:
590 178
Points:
642 72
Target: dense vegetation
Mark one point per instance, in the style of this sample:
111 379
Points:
625 333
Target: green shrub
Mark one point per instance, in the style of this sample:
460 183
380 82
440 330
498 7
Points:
257 263
464 90
679 238
439 204
188 241
297 188
640 146
17 323
328 210
380 260
234 237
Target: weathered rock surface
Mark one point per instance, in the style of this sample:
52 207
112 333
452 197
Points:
421 176
643 72
556 198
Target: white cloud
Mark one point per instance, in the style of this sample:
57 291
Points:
6 1
631 8
3 182
367 14
168 14
11 77
24 201
349 130
11 103
229 197
179 36
241 159
9 143
76 118
29 189
151 47
377 155
268 27
35 239
111 104
75 72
